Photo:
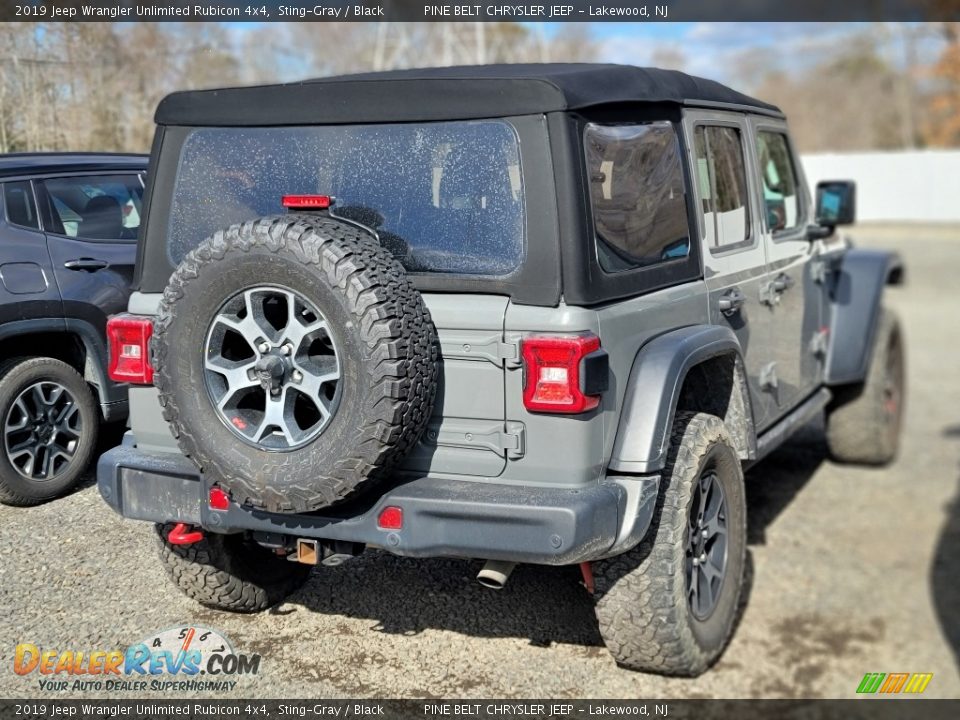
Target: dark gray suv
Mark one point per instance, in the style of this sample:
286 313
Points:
68 231
526 314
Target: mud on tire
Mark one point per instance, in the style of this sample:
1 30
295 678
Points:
376 320
228 572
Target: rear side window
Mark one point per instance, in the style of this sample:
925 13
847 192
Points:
637 194
780 197
444 197
95 207
20 208
722 179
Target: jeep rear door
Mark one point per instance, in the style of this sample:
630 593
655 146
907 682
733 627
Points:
734 256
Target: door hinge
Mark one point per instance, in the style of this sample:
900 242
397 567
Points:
768 377
509 353
490 348
818 343
508 440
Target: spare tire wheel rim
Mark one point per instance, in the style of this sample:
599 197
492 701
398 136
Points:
42 431
272 368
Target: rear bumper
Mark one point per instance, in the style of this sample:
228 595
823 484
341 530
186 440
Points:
441 517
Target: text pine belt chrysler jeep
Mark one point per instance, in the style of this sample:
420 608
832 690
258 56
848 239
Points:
524 314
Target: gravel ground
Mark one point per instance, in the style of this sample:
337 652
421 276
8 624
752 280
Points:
851 570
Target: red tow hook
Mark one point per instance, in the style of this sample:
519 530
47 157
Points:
180 535
586 569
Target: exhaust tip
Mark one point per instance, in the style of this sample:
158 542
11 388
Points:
492 583
495 574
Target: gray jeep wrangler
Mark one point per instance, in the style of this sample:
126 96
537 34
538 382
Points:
524 314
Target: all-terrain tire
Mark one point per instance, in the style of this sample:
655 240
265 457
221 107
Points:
381 327
229 572
644 613
19 374
864 420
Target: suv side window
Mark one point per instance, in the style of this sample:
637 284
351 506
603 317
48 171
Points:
101 207
722 178
780 197
637 193
21 209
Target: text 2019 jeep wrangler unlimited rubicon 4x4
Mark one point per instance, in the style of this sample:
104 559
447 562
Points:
526 314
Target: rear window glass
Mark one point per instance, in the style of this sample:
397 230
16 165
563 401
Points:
637 193
443 197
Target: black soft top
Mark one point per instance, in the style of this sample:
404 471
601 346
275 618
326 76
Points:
450 93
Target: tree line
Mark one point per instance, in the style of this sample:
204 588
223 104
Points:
94 86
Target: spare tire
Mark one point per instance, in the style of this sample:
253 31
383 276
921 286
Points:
295 362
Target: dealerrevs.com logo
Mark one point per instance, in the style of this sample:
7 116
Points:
179 659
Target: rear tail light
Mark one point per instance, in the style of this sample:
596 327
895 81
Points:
128 337
563 374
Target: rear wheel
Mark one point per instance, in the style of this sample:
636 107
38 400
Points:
669 604
50 421
230 572
863 422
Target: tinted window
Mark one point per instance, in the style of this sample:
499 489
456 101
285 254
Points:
21 210
443 197
780 196
98 207
637 193
722 180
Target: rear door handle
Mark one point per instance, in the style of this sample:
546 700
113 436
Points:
88 264
731 301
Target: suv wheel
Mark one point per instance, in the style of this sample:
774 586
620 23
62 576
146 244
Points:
50 421
669 604
230 572
863 421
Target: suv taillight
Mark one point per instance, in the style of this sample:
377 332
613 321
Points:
564 374
128 337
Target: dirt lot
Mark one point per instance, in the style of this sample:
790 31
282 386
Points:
851 570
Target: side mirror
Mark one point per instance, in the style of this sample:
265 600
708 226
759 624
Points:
836 202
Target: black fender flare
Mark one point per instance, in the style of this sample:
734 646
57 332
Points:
855 302
653 392
111 396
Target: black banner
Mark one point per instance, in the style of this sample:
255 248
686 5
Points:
467 11
865 709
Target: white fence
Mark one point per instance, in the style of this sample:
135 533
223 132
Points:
921 185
